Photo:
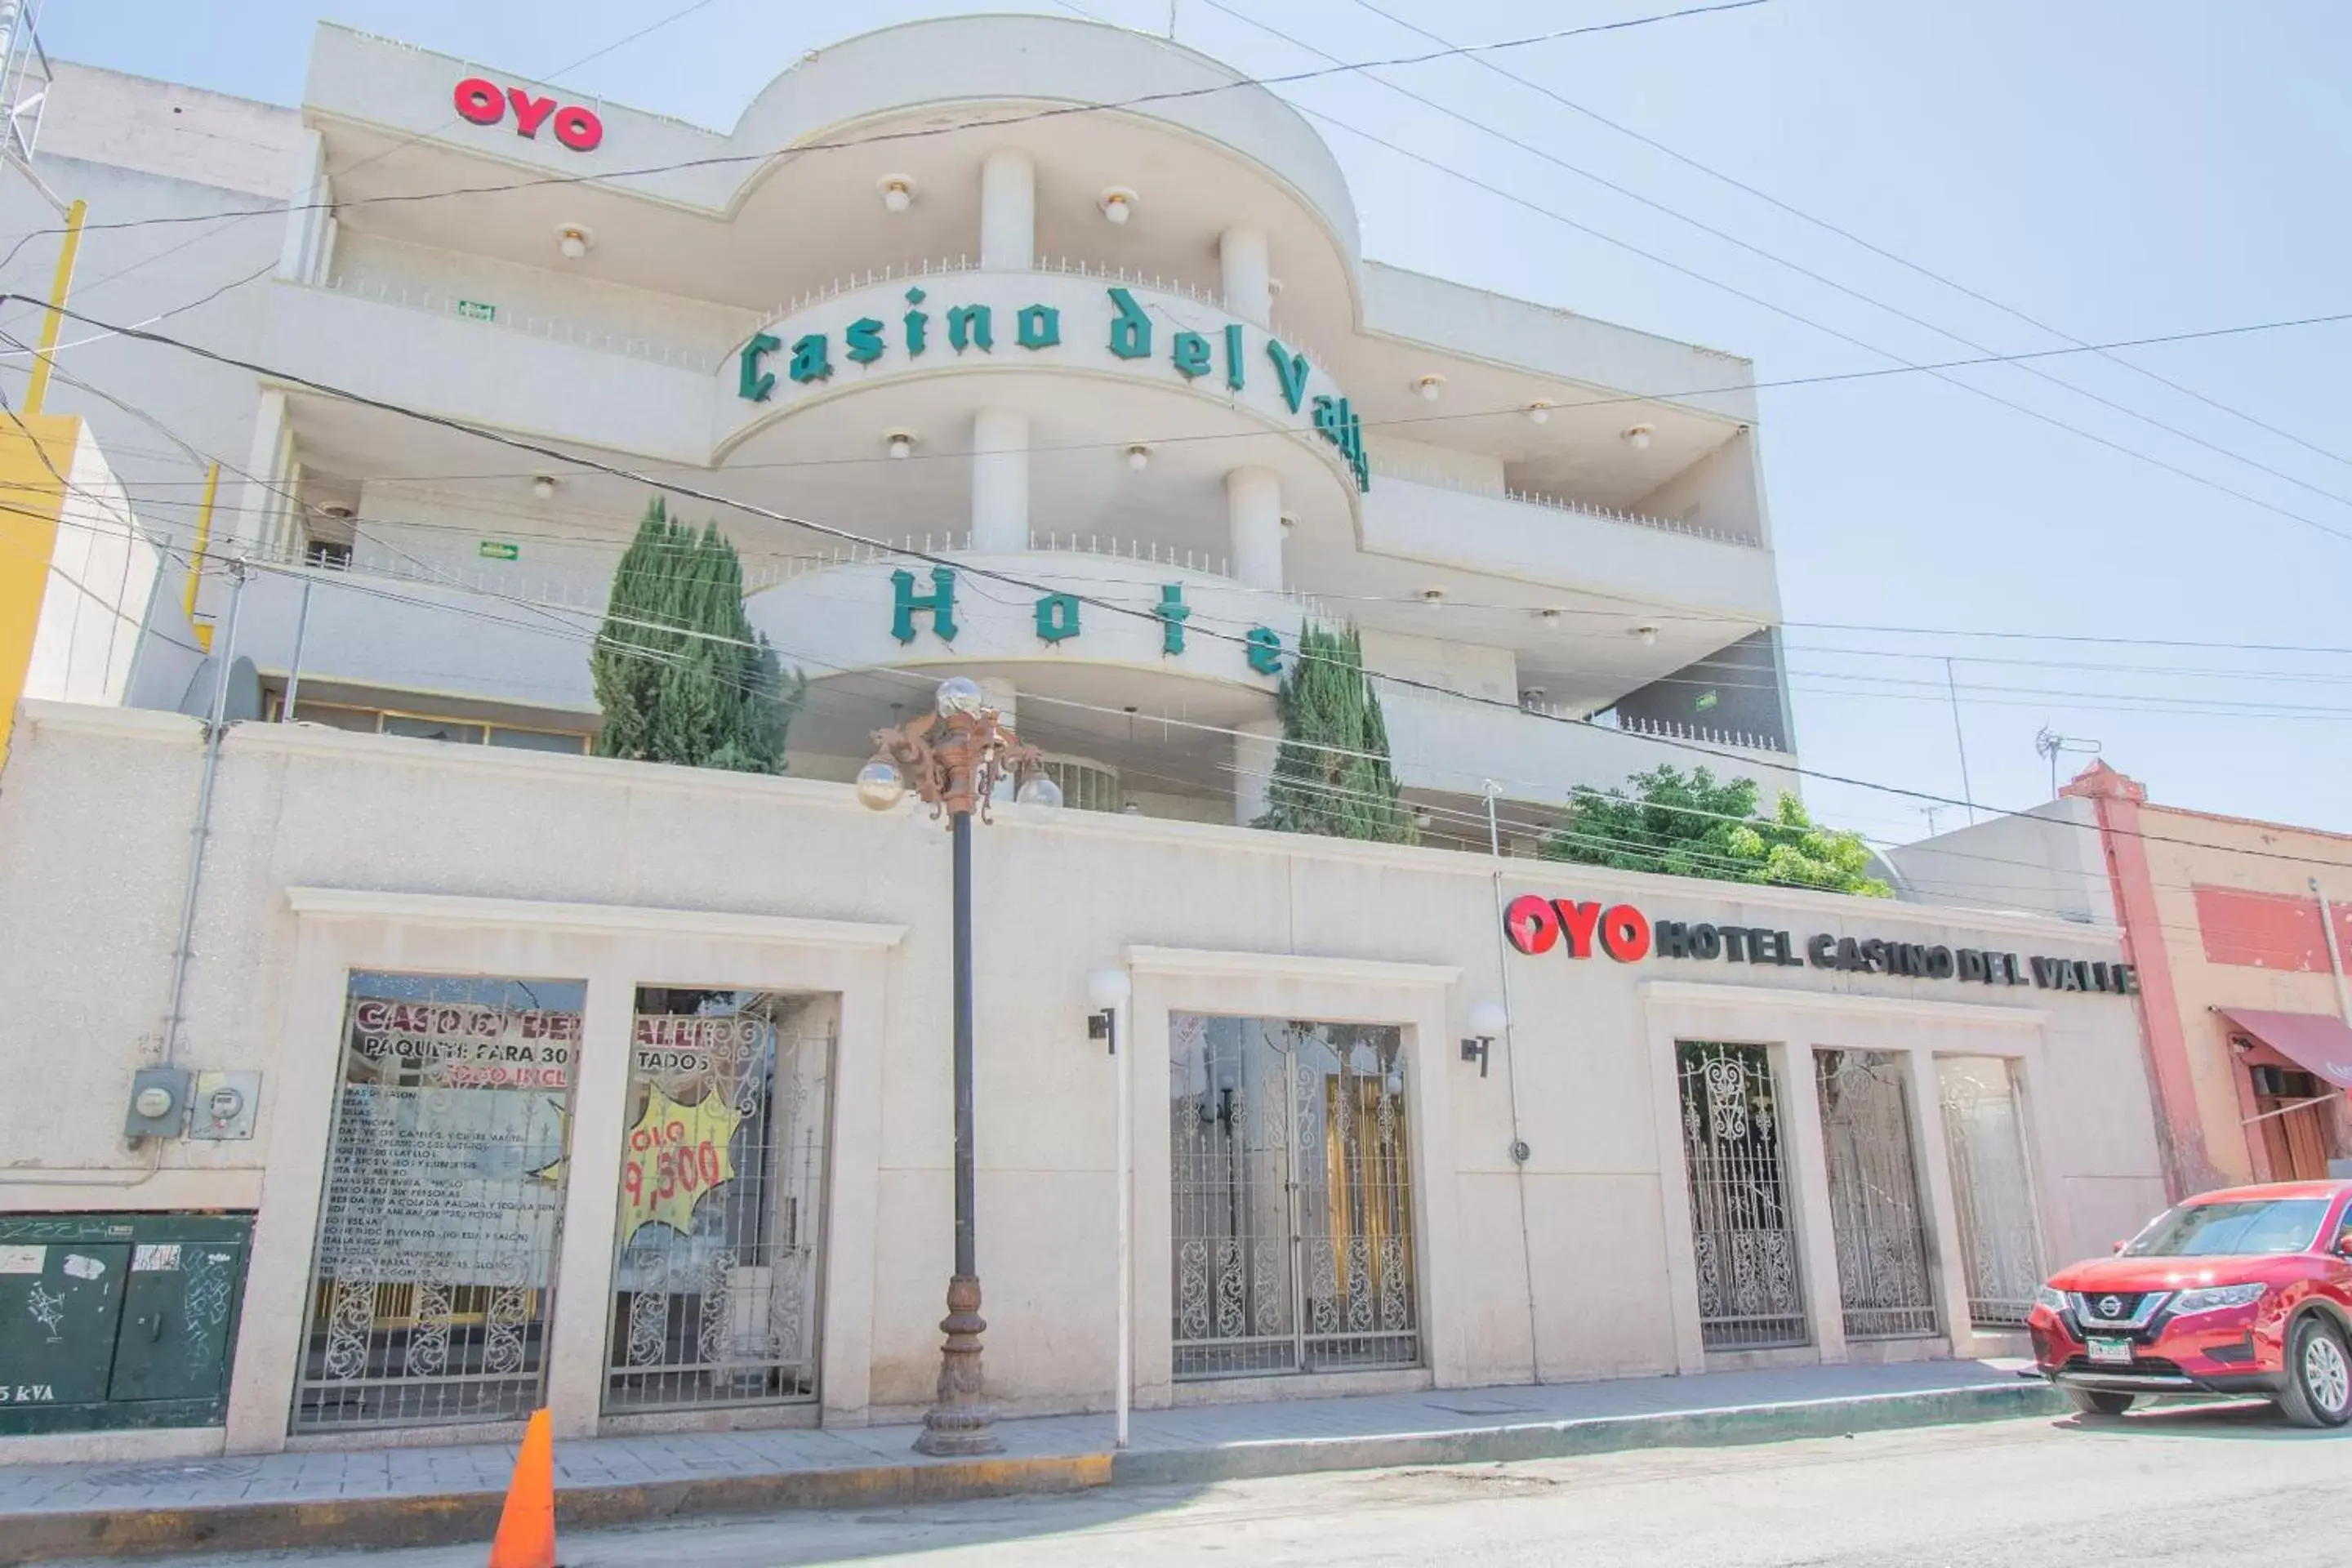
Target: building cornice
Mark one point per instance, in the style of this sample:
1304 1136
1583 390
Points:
451 910
1289 966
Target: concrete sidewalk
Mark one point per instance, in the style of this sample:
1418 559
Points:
390 1497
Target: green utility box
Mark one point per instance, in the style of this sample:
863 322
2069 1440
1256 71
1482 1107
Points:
118 1320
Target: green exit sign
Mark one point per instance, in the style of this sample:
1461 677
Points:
500 550
475 310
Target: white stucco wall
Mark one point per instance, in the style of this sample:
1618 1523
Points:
631 867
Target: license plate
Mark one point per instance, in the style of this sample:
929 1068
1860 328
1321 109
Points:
2112 1352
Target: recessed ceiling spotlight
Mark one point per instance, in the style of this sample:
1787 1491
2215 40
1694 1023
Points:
897 191
1539 411
1429 386
1649 636
1118 204
340 513
543 487
1550 618
900 443
1638 437
1139 456
575 240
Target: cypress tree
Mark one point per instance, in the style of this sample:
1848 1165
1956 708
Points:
679 673
1332 774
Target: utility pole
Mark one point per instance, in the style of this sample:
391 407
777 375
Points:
1959 736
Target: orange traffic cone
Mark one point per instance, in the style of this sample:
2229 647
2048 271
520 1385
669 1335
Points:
526 1537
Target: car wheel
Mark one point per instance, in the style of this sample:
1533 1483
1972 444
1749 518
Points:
2318 1390
2099 1401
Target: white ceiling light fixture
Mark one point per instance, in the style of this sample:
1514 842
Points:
1549 617
1430 386
1118 204
574 241
897 191
1433 595
339 512
543 487
1539 411
1139 456
1289 522
1638 437
1649 636
899 443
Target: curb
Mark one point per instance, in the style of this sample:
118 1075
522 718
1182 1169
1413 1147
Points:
454 1518
1594 1434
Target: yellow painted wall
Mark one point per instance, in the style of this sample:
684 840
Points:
30 499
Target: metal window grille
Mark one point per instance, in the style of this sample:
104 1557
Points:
1886 1288
1992 1187
438 1231
1750 1292
719 1262
1293 1190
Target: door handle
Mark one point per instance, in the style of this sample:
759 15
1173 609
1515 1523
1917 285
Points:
155 1327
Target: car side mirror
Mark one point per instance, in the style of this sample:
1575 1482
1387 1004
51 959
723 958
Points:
2119 1246
2344 1242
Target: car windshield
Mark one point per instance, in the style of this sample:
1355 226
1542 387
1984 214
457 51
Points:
2252 1224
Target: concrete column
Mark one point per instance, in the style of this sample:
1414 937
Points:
1805 1174
1248 272
577 1346
1008 211
1000 479
1255 749
1253 521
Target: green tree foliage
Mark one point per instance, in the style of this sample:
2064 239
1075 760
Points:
1687 824
1332 774
679 673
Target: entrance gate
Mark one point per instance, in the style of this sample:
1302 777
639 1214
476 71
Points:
1883 1280
1293 1213
1749 1294
1984 1136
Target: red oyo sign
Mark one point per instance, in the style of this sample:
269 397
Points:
486 103
1536 924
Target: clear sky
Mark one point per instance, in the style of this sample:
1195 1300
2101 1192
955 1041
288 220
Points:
2116 169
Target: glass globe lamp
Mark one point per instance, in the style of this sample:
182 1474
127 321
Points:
880 785
1038 790
958 695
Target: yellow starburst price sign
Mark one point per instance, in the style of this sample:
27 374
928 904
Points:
675 1155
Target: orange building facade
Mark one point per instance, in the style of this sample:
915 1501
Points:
2240 929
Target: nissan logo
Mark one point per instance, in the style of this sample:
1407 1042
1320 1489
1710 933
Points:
2111 1306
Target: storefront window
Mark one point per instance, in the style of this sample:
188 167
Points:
715 1276
1292 1197
1875 1215
445 1181
1745 1241
1984 1138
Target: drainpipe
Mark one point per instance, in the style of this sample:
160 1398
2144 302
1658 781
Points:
2334 954
219 723
1511 1082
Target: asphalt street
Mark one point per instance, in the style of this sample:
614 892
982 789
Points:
2187 1487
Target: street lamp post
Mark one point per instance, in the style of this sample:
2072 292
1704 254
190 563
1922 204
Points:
953 758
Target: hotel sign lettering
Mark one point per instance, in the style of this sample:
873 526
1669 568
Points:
1533 924
1056 618
1132 336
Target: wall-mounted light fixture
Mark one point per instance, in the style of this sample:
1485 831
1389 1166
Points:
1107 992
1433 595
1649 636
899 443
897 191
1429 386
1539 411
1550 618
543 487
1118 204
1638 437
1487 1020
1139 456
573 239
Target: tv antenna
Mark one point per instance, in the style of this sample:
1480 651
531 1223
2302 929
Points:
2050 743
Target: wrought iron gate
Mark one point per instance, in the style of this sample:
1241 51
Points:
1992 1186
715 1275
1750 1292
1885 1285
1293 1213
438 1228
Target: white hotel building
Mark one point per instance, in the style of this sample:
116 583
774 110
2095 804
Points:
1082 319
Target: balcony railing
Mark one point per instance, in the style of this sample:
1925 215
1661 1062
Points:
1604 719
1412 475
703 358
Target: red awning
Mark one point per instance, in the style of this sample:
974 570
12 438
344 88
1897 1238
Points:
2321 1043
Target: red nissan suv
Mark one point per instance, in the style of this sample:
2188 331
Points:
2247 1291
